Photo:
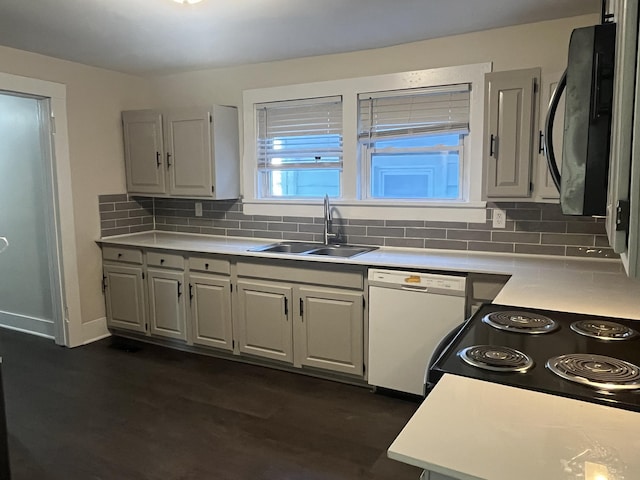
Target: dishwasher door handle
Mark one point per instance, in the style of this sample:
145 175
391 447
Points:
418 288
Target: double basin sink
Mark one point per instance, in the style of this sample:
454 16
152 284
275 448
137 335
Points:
302 248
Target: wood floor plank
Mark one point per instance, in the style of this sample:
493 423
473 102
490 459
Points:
101 412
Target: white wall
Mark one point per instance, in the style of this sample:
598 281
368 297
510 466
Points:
541 44
95 98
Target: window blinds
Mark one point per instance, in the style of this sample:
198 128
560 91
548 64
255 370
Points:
300 134
387 115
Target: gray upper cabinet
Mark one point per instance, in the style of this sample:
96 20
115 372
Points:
144 151
329 329
509 130
186 152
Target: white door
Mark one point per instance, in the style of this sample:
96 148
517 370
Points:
29 272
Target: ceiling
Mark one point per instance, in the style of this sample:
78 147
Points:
158 36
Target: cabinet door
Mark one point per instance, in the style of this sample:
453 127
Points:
166 304
329 330
264 320
188 144
143 151
545 189
211 311
509 117
124 296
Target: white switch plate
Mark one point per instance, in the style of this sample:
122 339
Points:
499 218
198 209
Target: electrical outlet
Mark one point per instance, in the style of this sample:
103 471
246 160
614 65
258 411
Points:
198 209
499 218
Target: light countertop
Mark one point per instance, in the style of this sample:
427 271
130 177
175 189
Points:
470 429
591 286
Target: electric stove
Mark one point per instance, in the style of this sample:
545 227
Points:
585 357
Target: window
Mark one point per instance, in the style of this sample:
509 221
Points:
402 145
412 143
299 148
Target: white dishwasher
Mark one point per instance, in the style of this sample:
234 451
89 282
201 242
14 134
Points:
409 313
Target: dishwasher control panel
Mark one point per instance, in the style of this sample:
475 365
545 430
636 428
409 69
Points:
417 280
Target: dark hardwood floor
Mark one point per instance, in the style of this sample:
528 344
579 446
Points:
99 413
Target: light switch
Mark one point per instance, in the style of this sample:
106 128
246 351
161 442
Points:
198 209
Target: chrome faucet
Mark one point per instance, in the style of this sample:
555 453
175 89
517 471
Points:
328 219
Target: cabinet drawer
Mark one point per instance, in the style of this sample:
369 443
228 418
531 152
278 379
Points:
212 265
166 260
120 254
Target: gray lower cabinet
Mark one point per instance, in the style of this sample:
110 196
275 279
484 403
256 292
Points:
167 309
264 320
329 329
274 311
210 304
124 293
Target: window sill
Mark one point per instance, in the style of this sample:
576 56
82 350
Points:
472 212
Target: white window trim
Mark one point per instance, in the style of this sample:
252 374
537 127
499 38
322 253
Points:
472 209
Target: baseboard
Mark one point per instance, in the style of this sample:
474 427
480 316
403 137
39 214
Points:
95 330
27 324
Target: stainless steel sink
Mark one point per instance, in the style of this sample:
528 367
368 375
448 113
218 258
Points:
287 247
304 248
344 251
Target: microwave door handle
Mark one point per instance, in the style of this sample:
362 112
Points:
548 131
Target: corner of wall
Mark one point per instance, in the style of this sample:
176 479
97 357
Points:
95 330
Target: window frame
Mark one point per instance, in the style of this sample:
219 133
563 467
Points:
353 204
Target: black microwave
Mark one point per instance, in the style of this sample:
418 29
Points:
588 81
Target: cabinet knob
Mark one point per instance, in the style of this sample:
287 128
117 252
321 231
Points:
119 255
206 266
161 261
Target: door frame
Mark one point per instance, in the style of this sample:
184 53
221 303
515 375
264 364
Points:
63 256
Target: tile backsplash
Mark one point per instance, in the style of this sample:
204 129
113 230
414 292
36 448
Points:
531 228
124 213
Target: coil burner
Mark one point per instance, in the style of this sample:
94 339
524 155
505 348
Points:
603 329
496 358
598 371
520 322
